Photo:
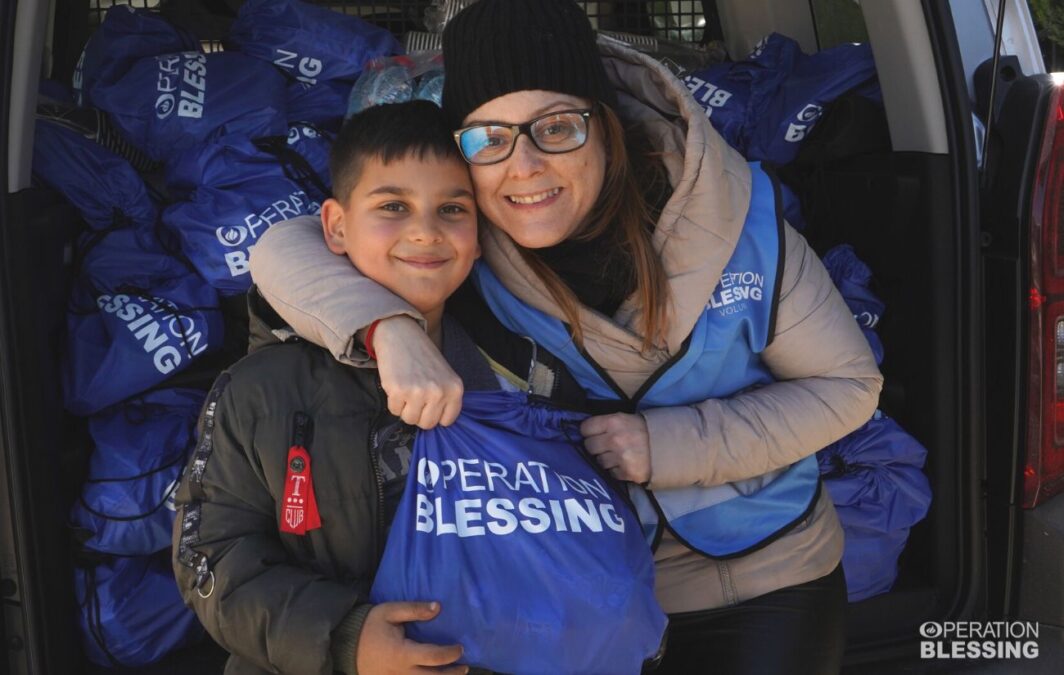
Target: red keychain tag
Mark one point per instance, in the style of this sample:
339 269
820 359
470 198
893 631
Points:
299 512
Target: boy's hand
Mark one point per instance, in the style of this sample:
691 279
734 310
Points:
422 388
383 648
620 444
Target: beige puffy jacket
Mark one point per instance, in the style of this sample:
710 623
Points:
828 383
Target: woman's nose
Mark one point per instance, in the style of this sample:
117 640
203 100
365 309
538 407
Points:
526 160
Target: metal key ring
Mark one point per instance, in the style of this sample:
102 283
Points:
199 589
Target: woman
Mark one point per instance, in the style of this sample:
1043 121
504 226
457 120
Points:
686 304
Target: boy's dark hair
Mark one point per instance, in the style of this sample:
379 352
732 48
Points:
389 132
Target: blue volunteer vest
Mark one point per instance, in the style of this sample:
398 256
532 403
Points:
720 358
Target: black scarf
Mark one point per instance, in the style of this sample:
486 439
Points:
598 271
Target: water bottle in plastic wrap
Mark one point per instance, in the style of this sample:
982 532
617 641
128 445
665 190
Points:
430 87
395 79
389 84
441 11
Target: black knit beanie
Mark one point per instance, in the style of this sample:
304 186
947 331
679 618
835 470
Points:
495 47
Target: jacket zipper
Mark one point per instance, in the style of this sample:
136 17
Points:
373 440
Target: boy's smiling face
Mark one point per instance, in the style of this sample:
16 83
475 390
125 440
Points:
409 225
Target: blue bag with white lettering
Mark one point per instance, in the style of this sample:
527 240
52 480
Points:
875 479
766 105
313 144
179 101
126 505
238 190
125 36
130 612
107 191
312 44
137 316
322 104
538 563
853 278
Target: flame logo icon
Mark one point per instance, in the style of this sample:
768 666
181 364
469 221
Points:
232 236
809 113
164 105
428 473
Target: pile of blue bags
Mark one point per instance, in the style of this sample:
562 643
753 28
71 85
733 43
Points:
767 104
228 143
765 107
874 475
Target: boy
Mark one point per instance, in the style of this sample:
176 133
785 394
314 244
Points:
285 504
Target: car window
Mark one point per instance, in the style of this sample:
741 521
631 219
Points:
838 21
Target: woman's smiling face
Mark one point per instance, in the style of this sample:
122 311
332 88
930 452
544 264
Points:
539 199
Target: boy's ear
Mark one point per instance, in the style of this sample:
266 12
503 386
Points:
332 224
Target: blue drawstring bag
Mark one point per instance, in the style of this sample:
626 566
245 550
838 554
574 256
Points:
875 479
311 44
238 191
538 564
137 317
766 105
130 612
723 91
301 155
125 36
313 145
126 505
180 101
853 278
106 190
121 259
54 92
322 104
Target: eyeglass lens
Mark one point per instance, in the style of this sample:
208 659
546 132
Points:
561 132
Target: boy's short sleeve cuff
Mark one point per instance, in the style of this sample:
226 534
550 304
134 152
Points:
344 639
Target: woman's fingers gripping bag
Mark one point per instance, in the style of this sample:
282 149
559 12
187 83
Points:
538 563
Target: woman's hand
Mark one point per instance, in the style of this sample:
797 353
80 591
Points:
383 648
620 444
422 388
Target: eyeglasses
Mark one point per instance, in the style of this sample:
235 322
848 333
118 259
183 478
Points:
553 133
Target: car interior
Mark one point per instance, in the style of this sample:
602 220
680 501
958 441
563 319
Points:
902 189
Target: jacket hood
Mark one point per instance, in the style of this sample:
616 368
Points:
695 235
265 326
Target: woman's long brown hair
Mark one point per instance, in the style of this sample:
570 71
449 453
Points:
629 201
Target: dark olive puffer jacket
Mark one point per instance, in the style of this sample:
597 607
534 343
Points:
274 600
